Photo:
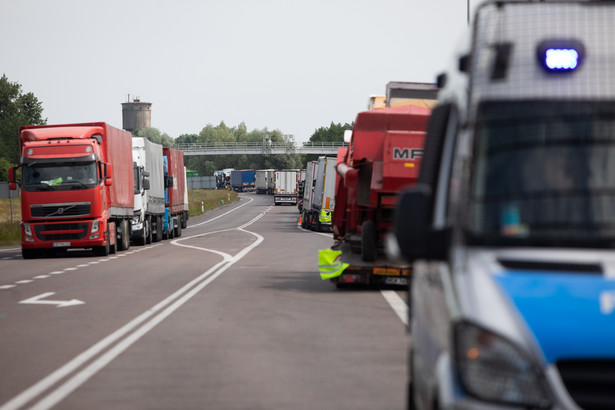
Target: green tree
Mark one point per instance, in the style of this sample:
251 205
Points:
16 109
334 133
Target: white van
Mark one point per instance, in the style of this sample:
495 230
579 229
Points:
512 224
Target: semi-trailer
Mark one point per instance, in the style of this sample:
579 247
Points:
285 187
77 188
175 216
148 191
264 181
323 197
242 180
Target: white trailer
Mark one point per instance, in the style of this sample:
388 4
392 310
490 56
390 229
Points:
285 191
148 191
308 191
323 199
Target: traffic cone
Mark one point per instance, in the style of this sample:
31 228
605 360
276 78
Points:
300 220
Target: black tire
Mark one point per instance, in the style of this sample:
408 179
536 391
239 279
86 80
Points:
369 245
158 236
184 221
121 236
149 237
102 250
178 229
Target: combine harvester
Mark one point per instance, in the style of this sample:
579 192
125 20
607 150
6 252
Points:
383 157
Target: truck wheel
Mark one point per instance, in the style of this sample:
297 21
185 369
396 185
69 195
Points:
158 236
149 236
369 249
178 229
102 250
184 221
123 236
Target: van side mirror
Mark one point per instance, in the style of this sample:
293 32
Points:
413 228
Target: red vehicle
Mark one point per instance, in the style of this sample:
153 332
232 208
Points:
76 188
176 214
383 157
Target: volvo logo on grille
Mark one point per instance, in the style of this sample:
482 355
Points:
60 211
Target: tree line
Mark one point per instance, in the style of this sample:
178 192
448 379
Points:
18 108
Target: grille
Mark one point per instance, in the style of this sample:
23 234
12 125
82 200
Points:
60 210
552 266
49 232
591 383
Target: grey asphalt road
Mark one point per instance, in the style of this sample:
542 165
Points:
232 315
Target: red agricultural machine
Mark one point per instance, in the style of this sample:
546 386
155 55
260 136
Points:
383 157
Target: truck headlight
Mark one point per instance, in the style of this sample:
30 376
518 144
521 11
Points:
27 229
492 368
95 226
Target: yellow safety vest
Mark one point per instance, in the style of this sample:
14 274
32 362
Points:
329 264
324 217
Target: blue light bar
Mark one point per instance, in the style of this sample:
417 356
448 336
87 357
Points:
560 55
561 59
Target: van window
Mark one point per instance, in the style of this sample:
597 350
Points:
544 174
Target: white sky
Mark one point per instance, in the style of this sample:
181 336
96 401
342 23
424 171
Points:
292 65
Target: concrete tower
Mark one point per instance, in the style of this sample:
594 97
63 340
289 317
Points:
136 114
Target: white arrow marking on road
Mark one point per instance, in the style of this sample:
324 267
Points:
36 300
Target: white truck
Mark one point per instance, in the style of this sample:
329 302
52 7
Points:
264 181
148 191
285 191
323 197
308 192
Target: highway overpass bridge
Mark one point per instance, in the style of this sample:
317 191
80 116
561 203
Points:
262 148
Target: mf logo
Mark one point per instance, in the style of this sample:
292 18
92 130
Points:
607 302
407 153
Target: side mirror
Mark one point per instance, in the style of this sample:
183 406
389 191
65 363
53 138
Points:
108 174
12 184
415 237
168 181
146 184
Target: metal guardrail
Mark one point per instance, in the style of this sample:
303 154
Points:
229 148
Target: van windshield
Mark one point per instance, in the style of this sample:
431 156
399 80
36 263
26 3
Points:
544 174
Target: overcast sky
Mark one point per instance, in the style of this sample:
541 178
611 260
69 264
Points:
292 65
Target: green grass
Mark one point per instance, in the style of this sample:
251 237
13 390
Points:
211 198
10 234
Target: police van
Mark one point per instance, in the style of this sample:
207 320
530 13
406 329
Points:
511 226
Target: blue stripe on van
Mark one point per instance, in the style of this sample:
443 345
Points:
564 312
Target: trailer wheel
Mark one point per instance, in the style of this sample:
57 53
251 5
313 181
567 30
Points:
184 220
369 249
178 228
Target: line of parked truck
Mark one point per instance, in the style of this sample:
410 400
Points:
91 185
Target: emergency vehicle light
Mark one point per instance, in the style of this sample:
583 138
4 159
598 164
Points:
560 56
561 59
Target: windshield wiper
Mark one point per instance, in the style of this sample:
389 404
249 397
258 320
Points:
76 181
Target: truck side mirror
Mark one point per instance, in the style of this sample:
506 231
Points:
413 229
108 174
146 185
12 184
168 181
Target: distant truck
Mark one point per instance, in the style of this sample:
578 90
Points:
242 180
285 191
308 191
176 215
148 191
76 188
323 198
264 181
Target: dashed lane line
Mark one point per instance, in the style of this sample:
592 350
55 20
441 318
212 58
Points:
71 269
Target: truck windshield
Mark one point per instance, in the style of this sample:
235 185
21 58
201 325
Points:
544 174
41 176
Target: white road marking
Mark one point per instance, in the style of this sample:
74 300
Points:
139 327
220 216
38 300
41 277
10 249
7 286
57 272
24 281
397 304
